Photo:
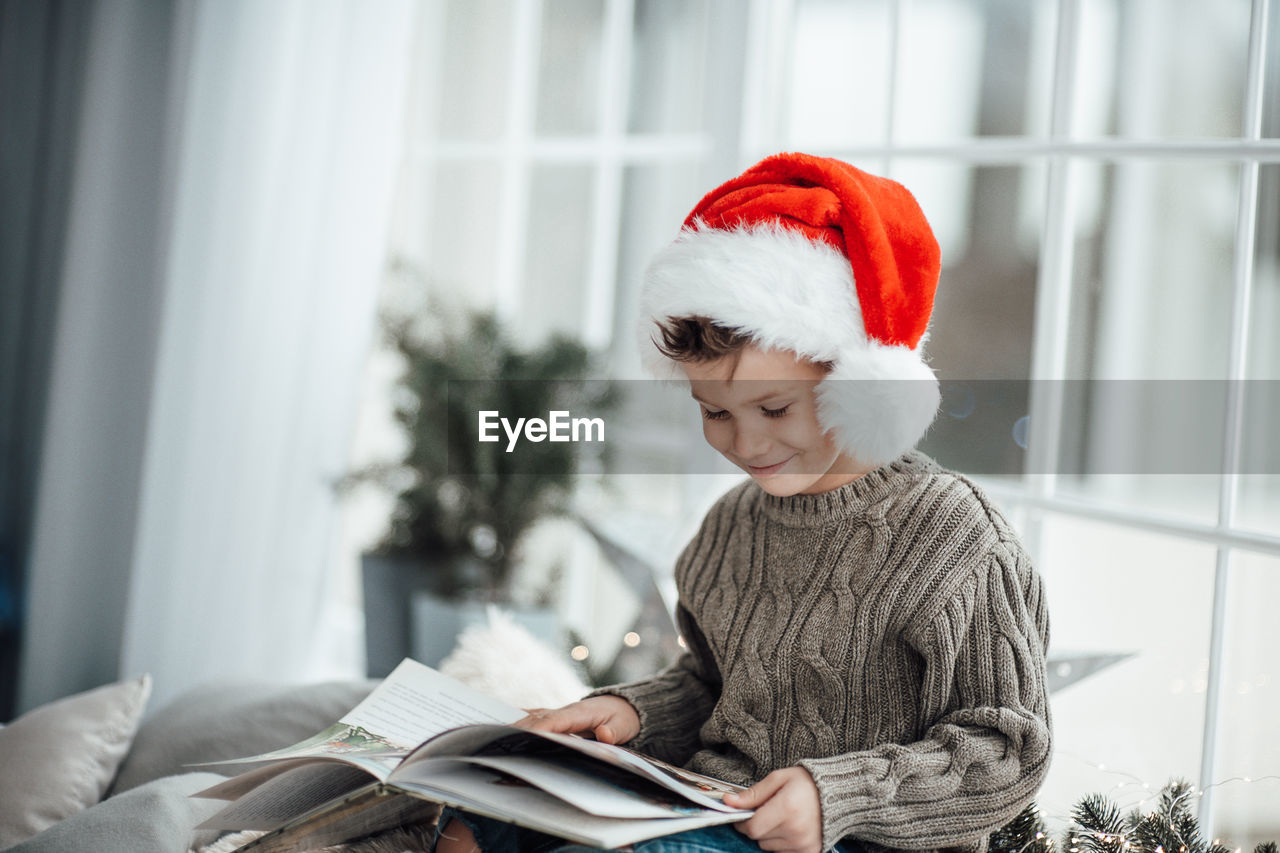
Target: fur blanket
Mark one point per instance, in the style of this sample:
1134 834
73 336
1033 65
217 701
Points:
412 839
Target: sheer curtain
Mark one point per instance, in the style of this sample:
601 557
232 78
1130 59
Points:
205 550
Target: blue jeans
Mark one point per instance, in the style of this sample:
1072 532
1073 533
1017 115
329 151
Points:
496 837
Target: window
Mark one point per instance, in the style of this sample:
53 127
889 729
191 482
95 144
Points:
1104 178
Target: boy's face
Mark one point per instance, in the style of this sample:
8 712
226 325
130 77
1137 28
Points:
762 415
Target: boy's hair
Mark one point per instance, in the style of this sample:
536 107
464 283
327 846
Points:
694 339
701 339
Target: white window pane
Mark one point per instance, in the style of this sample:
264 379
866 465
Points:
1170 68
475 68
557 253
1096 70
973 69
937 35
839 84
668 70
569 67
1111 590
1151 300
1259 503
655 201
1245 812
461 263
1154 269
1170 497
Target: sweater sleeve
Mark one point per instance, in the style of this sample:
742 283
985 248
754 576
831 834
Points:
674 704
987 742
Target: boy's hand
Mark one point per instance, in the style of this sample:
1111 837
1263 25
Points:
788 812
611 719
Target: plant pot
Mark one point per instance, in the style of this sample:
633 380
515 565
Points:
388 584
406 616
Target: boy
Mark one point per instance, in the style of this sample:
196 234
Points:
865 634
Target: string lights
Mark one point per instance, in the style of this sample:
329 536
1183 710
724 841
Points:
1134 781
631 640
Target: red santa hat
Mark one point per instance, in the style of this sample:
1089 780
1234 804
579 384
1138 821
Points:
813 255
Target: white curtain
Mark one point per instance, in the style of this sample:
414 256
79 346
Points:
291 141
283 137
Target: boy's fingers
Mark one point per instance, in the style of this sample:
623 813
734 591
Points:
763 789
757 793
538 718
568 719
607 720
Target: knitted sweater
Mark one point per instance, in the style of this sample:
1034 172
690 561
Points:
888 636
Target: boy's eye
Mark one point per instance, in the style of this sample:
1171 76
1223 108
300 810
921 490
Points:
775 413
715 416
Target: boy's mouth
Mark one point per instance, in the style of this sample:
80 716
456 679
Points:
766 470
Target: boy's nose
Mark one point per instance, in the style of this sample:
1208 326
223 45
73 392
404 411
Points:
750 445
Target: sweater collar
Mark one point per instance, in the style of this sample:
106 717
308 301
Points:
850 499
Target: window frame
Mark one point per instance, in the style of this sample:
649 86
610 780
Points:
1062 151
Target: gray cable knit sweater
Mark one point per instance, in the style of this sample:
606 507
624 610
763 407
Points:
887 636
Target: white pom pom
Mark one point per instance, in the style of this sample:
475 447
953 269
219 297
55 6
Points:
508 663
878 401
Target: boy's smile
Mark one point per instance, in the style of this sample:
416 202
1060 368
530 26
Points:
766 470
761 414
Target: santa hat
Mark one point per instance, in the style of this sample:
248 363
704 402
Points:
815 256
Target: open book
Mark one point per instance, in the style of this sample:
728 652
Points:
422 738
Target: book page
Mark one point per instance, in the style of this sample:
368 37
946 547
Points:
412 704
238 786
415 702
362 813
702 791
591 793
698 789
498 795
298 790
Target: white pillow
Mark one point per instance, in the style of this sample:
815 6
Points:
229 720
60 758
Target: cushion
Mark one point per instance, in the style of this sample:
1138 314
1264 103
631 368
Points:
155 818
216 722
60 758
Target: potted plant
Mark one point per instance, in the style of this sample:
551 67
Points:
462 505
